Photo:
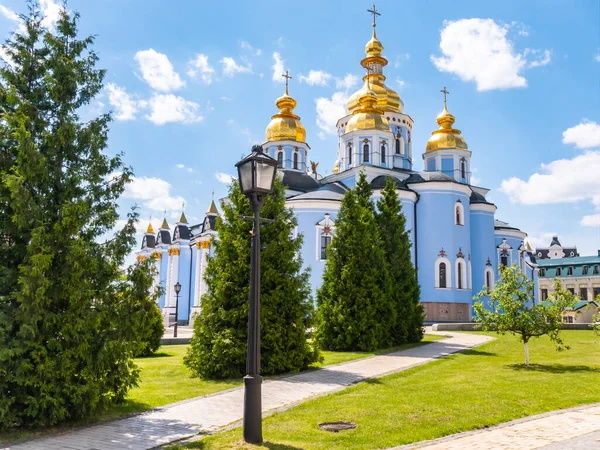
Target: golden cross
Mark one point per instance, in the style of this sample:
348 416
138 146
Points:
375 14
287 78
445 93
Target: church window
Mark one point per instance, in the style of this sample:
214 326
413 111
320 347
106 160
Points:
461 274
397 146
504 260
596 270
489 278
295 160
459 214
585 270
325 241
558 271
442 275
383 153
460 269
366 153
280 160
349 154
570 271
463 168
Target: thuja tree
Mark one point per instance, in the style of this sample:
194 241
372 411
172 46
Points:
512 309
405 290
218 347
354 309
63 354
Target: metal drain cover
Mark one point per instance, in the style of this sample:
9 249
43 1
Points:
337 426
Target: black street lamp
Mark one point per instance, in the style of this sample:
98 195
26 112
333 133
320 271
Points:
256 173
177 291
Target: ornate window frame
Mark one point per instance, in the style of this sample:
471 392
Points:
324 228
459 213
446 261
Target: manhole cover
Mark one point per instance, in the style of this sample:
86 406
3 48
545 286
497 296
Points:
337 426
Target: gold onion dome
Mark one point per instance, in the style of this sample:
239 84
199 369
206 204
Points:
150 230
368 115
446 137
336 166
387 98
285 125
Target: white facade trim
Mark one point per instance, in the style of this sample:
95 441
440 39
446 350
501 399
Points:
475 207
463 276
441 187
448 273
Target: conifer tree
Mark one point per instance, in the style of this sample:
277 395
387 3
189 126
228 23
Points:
405 290
218 347
354 310
63 354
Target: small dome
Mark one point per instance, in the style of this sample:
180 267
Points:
336 166
446 137
374 47
368 115
285 125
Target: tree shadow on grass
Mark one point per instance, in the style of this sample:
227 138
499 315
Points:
156 355
478 353
554 368
241 445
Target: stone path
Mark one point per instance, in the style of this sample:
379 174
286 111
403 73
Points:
574 429
209 413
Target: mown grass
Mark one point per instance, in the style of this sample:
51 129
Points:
474 389
165 379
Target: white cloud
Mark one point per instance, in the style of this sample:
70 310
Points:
597 57
329 111
183 166
224 178
584 135
165 108
226 99
348 82
51 11
246 46
125 106
591 220
315 78
200 65
278 68
478 50
541 239
230 67
400 82
155 192
475 180
400 58
9 14
158 71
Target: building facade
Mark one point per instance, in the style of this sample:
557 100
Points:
457 242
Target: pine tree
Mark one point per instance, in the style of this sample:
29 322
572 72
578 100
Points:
405 290
218 348
354 311
63 354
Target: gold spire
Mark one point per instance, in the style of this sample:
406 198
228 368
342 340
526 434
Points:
336 166
212 209
368 115
387 99
446 137
150 230
182 219
165 225
285 125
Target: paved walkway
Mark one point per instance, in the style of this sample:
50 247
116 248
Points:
570 429
209 413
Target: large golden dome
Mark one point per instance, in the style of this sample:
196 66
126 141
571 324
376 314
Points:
368 115
285 125
446 137
387 98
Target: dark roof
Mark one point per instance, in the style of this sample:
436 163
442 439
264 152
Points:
148 241
555 241
299 181
163 237
476 197
421 177
181 231
499 225
544 253
379 182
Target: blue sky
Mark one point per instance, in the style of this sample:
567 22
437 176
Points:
192 86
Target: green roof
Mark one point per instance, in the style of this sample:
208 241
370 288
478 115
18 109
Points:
565 262
580 304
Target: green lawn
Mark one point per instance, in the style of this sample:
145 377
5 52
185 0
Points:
164 380
477 388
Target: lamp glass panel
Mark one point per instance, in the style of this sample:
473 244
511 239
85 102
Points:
245 176
265 174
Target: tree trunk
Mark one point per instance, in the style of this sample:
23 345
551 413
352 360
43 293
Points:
526 353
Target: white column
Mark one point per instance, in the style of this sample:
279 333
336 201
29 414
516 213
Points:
205 253
198 275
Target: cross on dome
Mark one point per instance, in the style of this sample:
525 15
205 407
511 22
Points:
445 93
375 14
287 78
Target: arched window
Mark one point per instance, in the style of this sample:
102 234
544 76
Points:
349 154
280 159
489 278
383 153
504 260
459 217
442 275
397 146
461 274
463 168
366 153
295 160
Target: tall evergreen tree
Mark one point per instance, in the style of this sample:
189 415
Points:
354 311
63 354
218 348
405 290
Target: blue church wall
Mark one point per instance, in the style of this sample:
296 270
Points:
184 279
430 165
194 253
482 248
164 263
448 165
436 229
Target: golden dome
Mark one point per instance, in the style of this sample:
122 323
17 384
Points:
336 166
387 98
285 125
368 115
446 137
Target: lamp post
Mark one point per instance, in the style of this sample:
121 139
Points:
177 291
256 173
